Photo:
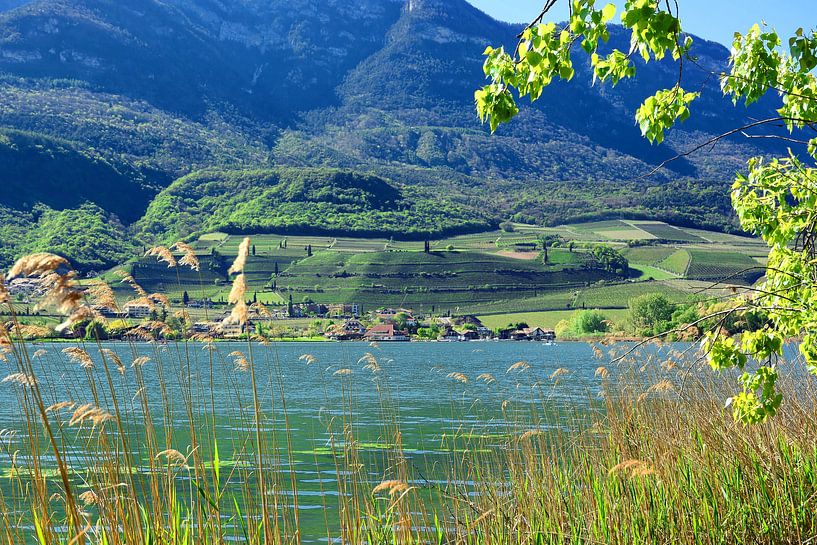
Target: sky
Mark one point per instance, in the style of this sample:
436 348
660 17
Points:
715 20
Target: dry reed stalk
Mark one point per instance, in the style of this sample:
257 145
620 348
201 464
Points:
163 254
128 279
189 258
90 412
518 366
342 372
80 356
241 257
308 358
459 377
20 378
392 487
114 357
487 378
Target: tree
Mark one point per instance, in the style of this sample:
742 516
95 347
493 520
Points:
253 249
611 260
650 312
588 322
290 308
186 298
776 198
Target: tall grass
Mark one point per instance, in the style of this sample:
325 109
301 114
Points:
115 455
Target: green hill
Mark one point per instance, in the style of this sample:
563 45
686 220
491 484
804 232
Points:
305 201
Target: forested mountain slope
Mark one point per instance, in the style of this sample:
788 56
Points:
112 101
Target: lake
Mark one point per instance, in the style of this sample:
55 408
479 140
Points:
443 397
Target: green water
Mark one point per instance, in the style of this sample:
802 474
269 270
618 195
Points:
439 416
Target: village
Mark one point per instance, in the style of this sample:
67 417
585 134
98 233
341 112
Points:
333 322
347 322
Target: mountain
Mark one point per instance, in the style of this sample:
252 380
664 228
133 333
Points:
103 104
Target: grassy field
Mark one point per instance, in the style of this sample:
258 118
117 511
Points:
716 265
676 263
618 296
546 319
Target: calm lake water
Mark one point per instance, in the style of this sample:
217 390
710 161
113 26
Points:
415 384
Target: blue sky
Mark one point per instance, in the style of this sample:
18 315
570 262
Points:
711 19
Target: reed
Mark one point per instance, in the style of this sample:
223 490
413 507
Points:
135 449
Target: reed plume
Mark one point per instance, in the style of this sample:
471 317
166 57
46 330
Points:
81 314
57 407
128 279
561 371
236 298
163 254
21 378
4 293
101 294
89 412
39 264
308 358
392 487
189 259
241 258
635 468
80 356
141 361
518 366
371 363
487 378
459 377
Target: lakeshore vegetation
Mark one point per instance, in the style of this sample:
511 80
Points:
168 439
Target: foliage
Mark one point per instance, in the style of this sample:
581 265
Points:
610 259
776 199
90 237
306 201
651 312
588 322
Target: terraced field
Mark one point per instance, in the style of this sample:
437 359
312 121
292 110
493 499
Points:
648 255
719 265
619 296
677 262
491 272
438 279
663 231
